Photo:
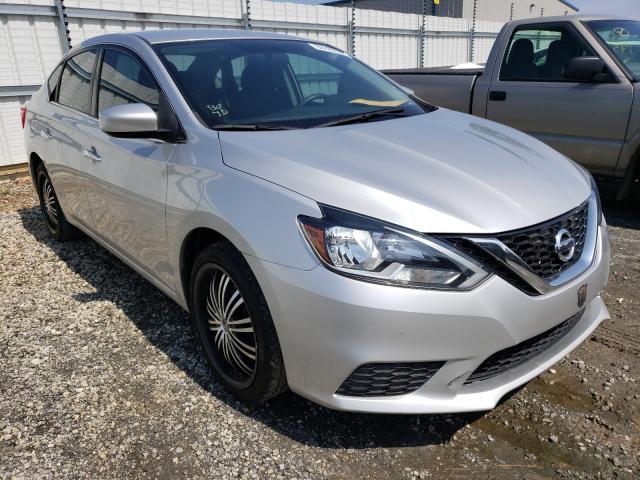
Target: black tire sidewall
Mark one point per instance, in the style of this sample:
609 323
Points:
234 265
41 176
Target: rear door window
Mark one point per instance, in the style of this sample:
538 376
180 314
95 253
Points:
75 84
123 79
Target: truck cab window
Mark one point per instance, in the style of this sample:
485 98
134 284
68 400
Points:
542 54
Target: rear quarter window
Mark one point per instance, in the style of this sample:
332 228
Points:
52 83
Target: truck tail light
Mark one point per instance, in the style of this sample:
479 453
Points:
23 115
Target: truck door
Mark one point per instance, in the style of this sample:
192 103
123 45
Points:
585 121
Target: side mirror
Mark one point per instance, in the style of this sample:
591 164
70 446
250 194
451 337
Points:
586 69
133 119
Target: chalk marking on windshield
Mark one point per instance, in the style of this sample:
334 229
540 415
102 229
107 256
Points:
218 110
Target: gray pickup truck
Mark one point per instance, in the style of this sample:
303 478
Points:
572 82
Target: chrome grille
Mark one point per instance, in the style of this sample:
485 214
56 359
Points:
385 379
511 357
536 245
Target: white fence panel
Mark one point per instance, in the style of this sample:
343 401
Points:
447 42
11 139
30 49
325 24
88 18
199 8
298 13
483 43
378 44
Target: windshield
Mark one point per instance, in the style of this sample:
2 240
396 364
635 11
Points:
280 84
623 39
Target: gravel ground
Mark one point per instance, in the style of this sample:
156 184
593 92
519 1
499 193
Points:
100 378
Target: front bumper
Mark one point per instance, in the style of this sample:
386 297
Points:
329 325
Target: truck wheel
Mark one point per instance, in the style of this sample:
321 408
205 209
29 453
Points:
635 193
233 324
52 212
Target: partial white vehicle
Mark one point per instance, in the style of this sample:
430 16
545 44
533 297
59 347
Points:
327 231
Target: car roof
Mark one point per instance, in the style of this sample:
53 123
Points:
570 18
189 34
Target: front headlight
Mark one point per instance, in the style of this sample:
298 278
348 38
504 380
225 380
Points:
371 250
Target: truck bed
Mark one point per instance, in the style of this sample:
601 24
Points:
434 71
442 86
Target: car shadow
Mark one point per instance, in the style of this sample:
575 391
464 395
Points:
621 215
166 326
618 214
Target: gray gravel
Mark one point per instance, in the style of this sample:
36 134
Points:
100 378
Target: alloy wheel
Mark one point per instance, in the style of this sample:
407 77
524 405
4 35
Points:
49 201
231 328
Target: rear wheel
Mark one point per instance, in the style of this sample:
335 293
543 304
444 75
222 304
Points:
234 326
52 213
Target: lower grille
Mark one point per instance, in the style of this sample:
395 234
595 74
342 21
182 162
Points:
511 357
386 379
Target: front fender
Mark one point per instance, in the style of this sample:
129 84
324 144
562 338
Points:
258 217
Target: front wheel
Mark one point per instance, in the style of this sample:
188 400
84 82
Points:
234 326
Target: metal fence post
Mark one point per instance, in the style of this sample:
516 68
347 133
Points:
472 33
352 30
246 14
423 34
64 34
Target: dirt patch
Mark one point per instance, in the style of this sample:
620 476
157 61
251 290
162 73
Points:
17 194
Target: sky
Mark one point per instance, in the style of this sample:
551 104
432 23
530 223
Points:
613 7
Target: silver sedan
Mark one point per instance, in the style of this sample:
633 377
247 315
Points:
328 231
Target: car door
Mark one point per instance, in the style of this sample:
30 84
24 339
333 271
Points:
67 130
585 121
127 177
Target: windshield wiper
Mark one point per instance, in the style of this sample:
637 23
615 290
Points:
363 117
251 127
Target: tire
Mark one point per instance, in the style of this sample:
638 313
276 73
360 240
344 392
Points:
234 327
634 197
54 218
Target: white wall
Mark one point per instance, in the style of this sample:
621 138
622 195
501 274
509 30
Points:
499 10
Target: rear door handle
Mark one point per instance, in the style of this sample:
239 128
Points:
496 96
45 133
92 154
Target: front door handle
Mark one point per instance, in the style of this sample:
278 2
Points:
92 154
496 96
45 133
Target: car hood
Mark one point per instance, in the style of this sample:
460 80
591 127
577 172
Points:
442 172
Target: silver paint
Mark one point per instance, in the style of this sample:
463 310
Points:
128 118
438 172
